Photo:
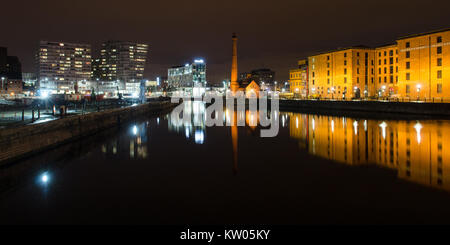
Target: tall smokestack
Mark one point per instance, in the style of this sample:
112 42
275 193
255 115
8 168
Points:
234 67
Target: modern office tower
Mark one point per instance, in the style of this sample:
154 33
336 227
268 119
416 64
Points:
3 59
343 73
190 78
423 63
61 67
124 63
298 79
263 76
10 73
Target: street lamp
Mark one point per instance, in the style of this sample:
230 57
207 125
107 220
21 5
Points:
3 80
418 86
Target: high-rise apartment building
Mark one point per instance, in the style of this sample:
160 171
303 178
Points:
61 67
124 63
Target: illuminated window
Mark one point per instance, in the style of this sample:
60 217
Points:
408 76
439 74
407 89
439 88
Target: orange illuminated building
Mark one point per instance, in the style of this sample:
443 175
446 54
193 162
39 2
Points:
342 74
424 65
298 80
414 67
386 70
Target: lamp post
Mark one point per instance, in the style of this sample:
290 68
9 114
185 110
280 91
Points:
418 87
3 80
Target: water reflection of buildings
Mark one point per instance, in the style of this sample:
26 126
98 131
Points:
194 126
136 140
414 149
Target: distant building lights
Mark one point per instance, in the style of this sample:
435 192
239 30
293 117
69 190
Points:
201 61
44 94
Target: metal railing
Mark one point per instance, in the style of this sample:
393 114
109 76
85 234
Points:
405 99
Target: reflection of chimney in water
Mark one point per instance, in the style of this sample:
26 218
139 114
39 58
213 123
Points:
234 140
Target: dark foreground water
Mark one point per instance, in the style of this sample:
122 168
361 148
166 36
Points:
318 170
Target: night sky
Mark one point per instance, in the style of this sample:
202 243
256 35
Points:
272 34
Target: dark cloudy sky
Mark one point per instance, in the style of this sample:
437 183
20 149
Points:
272 33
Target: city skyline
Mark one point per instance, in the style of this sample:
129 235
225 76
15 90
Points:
272 37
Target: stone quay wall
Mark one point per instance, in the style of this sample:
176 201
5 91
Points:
19 142
411 108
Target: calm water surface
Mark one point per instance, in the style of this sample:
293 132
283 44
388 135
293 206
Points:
160 170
